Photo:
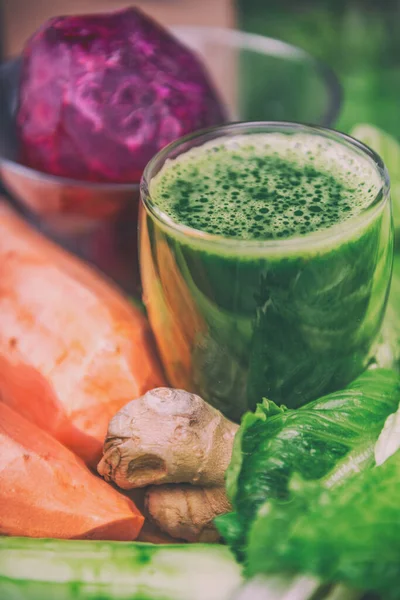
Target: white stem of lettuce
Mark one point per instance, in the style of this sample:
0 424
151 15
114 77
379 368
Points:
293 588
389 440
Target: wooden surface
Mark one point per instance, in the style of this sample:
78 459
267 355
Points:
22 17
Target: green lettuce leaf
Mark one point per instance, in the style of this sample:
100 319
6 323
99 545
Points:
349 534
389 440
293 588
388 351
274 443
388 149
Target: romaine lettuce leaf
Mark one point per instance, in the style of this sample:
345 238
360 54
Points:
388 149
274 443
388 351
348 534
288 587
389 440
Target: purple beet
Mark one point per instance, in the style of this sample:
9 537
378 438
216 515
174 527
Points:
101 94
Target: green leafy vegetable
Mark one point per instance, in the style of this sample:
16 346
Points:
82 570
388 351
349 534
388 149
293 588
274 443
389 440
280 588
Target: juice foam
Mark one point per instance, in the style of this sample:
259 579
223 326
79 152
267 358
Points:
266 186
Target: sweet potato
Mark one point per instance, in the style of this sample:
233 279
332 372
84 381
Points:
73 350
47 491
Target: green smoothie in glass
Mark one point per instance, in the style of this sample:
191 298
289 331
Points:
266 253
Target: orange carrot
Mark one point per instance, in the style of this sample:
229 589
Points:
47 491
73 350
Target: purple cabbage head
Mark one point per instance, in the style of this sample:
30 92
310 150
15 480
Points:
101 94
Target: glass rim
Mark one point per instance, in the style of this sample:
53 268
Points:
236 244
270 46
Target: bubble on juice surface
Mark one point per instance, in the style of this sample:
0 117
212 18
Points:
266 186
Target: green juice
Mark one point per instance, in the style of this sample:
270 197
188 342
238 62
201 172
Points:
266 260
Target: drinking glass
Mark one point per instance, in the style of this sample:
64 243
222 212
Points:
287 319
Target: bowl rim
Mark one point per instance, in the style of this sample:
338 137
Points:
271 46
230 36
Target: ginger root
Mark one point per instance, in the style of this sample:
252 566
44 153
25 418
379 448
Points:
167 436
187 512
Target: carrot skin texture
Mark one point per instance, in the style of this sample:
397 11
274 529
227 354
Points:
73 349
47 491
